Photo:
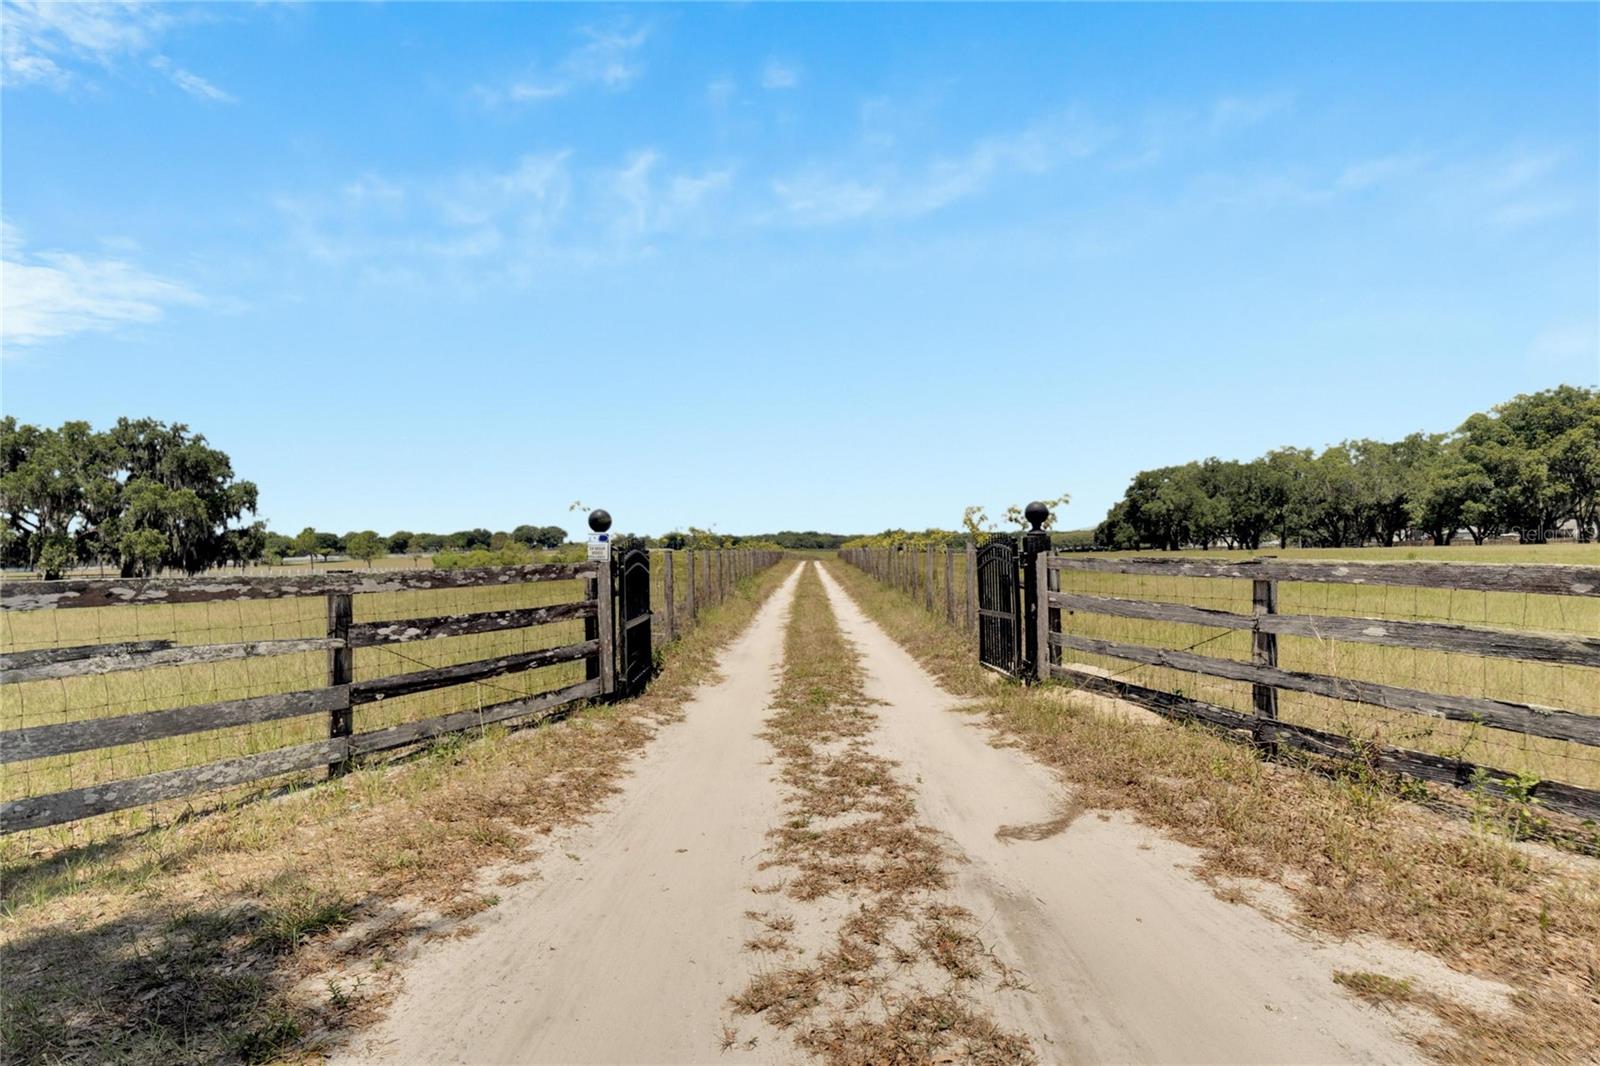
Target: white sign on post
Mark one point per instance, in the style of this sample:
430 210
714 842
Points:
599 547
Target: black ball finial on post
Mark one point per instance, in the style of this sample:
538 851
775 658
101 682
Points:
599 520
1037 514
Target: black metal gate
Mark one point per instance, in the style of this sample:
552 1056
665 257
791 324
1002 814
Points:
999 613
635 658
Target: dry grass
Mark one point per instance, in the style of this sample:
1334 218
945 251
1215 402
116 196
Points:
895 981
265 931
1376 988
1353 853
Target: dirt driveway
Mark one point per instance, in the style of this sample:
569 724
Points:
629 941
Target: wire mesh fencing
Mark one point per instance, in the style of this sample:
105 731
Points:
1465 673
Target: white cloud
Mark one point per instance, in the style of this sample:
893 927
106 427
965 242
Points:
39 35
1379 171
44 42
58 294
1231 113
817 199
1520 190
1505 193
824 196
607 58
463 216
1528 211
649 203
502 226
779 75
1519 171
192 83
721 91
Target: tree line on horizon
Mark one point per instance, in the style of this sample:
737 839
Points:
147 497
481 547
1527 466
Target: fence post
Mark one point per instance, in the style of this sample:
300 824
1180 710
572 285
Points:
667 594
949 586
927 591
1034 542
1052 583
341 671
1042 616
972 587
606 630
1264 600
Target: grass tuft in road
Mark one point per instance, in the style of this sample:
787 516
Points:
896 979
266 931
1353 854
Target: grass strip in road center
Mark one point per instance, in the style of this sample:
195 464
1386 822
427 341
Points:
899 977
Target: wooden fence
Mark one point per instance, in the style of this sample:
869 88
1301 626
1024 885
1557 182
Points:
1153 634
583 668
943 579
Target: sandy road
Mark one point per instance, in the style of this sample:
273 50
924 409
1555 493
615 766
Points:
1130 957
627 944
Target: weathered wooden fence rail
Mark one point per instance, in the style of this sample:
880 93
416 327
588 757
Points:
690 581
942 577
1051 625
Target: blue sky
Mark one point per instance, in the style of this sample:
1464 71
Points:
765 267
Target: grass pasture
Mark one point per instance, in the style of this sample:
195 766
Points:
82 698
1560 686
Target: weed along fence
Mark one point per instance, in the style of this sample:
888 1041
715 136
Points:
1472 675
118 693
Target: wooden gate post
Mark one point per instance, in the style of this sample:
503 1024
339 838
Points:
1264 600
341 672
1042 616
1052 583
667 593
